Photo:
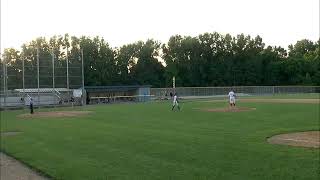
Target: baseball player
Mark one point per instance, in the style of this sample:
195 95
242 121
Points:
232 98
175 102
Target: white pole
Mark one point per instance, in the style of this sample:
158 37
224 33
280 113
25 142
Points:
53 85
174 84
68 76
67 69
23 77
53 82
272 90
6 85
4 82
82 75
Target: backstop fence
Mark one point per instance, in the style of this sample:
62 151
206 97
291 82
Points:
48 77
207 92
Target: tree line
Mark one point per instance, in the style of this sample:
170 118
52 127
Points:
210 59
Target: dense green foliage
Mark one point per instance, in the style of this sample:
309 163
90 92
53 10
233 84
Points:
149 141
210 59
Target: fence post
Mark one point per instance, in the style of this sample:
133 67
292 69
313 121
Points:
38 72
4 82
272 90
82 75
23 77
53 83
67 59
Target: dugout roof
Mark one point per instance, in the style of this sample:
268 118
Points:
42 90
114 88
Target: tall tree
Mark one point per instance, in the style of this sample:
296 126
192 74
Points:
148 69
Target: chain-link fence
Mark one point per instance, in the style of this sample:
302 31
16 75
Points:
203 92
43 75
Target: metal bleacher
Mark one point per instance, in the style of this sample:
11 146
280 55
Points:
41 97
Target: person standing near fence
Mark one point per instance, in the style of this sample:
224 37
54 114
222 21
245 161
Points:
31 105
232 98
175 102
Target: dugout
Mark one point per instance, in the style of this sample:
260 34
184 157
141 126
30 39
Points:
110 94
41 97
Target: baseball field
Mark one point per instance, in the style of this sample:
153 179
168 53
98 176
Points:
205 140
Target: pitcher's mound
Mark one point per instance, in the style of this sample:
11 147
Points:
55 114
302 139
228 109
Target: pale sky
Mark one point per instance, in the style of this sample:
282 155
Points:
119 22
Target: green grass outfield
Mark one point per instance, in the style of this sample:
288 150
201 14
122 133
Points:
149 141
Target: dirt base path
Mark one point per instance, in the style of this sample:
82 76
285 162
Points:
55 114
302 101
11 169
302 139
227 109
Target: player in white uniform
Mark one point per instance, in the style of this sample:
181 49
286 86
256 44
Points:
232 98
175 102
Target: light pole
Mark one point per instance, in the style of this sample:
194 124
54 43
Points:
53 83
38 72
4 81
23 87
82 76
